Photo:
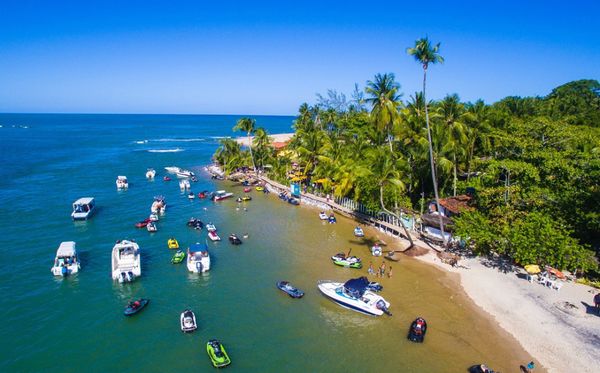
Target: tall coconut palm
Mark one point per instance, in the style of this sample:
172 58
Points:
385 100
425 54
247 125
262 144
453 115
384 170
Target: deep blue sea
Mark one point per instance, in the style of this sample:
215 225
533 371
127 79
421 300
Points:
76 324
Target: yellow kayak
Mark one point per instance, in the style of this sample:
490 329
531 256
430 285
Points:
173 244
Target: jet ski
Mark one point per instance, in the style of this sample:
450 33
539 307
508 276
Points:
481 368
293 201
323 216
374 286
136 306
218 355
290 290
332 219
195 223
188 321
172 243
417 331
358 232
343 260
151 227
234 239
178 257
376 250
191 195
247 190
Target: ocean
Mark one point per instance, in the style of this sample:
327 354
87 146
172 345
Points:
76 324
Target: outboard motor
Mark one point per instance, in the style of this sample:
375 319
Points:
199 266
122 278
64 271
130 276
381 305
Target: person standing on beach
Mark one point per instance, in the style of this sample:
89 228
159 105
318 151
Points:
371 271
390 272
382 270
597 303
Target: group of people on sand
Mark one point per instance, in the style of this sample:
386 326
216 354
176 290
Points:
380 271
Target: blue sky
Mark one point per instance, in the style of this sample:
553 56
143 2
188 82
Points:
267 57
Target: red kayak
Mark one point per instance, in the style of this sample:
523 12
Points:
143 223
166 178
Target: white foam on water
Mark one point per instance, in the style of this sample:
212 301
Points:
176 150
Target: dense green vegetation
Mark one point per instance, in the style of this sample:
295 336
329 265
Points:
534 161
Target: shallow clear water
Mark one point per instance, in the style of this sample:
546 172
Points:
77 324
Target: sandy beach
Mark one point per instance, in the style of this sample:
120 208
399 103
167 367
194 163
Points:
558 328
278 137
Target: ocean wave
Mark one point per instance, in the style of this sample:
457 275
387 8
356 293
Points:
176 150
141 142
179 140
220 137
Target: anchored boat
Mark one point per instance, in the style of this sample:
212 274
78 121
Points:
354 295
66 261
198 260
125 258
135 307
188 321
83 208
218 355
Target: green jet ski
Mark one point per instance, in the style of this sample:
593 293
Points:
218 355
344 260
178 257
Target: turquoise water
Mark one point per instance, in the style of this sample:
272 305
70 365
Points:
76 324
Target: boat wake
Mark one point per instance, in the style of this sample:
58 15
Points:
176 150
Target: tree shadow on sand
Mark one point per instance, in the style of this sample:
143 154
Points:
590 309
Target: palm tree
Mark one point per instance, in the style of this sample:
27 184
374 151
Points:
383 168
426 54
385 100
247 125
453 114
262 143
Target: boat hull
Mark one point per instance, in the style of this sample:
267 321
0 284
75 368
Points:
347 304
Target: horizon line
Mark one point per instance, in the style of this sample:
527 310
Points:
90 113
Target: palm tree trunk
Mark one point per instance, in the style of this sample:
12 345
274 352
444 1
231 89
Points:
396 216
251 156
455 177
435 186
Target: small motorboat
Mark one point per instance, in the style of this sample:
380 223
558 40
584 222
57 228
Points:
172 243
143 223
481 368
166 178
159 206
191 195
188 321
198 260
66 261
344 260
260 188
195 223
374 286
323 215
221 195
211 227
234 239
178 257
122 182
293 201
136 306
151 227
150 173
214 236
125 261
153 217
83 208
247 190
376 250
417 331
218 355
354 295
290 290
358 232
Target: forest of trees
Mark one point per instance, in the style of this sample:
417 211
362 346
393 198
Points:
534 162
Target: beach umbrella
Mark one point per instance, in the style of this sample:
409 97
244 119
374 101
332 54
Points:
556 273
533 269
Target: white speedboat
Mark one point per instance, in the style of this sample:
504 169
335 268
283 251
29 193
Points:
211 227
214 236
323 216
122 182
188 321
83 208
150 173
198 259
180 172
358 232
159 205
126 265
354 295
66 261
221 195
